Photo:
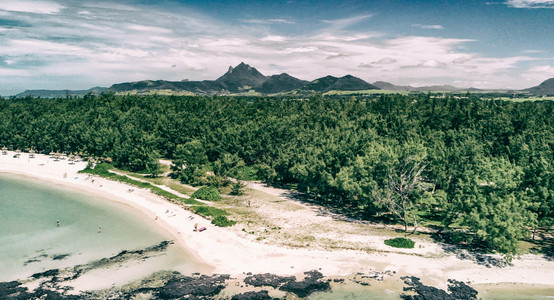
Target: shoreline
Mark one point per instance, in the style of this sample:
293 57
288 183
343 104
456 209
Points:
226 252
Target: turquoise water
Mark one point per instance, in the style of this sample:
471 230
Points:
30 238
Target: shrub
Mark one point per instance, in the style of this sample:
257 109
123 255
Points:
222 221
400 243
99 169
207 193
237 189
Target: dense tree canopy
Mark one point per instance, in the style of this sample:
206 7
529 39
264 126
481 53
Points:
484 165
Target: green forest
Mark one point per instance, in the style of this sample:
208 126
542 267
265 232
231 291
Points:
482 167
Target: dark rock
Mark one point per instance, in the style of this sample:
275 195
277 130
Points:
261 295
458 290
482 259
267 279
31 261
11 290
60 256
424 292
52 295
192 287
306 287
53 272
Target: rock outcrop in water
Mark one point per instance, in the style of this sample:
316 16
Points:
458 290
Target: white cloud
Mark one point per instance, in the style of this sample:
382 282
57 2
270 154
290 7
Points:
428 26
148 29
273 38
385 61
30 6
537 74
103 46
268 21
432 63
300 50
531 51
343 23
531 3
542 70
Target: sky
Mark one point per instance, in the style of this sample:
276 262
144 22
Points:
75 44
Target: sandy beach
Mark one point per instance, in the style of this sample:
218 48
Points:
230 251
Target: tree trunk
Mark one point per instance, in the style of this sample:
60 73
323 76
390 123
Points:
415 225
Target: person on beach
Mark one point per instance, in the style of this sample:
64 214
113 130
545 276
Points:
196 227
57 223
99 229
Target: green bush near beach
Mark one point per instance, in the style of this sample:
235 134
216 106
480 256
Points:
400 243
207 193
222 221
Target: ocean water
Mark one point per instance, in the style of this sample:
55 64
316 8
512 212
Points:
31 241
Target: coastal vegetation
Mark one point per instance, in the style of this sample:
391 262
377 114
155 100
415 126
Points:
479 170
400 243
209 193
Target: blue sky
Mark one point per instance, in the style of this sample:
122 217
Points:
71 44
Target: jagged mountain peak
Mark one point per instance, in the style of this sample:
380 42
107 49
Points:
241 78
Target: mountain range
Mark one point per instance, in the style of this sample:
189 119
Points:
246 79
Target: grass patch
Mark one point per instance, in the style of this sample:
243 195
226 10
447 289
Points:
102 170
179 187
400 243
208 211
208 193
365 92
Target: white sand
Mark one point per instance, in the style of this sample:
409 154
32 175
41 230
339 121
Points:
231 253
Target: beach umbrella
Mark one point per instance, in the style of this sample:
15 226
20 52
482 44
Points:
4 150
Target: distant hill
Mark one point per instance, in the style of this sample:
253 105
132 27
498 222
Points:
61 93
390 87
280 84
331 83
244 78
432 88
241 78
545 88
197 87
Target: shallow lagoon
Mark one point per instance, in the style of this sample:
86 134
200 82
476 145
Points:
31 241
